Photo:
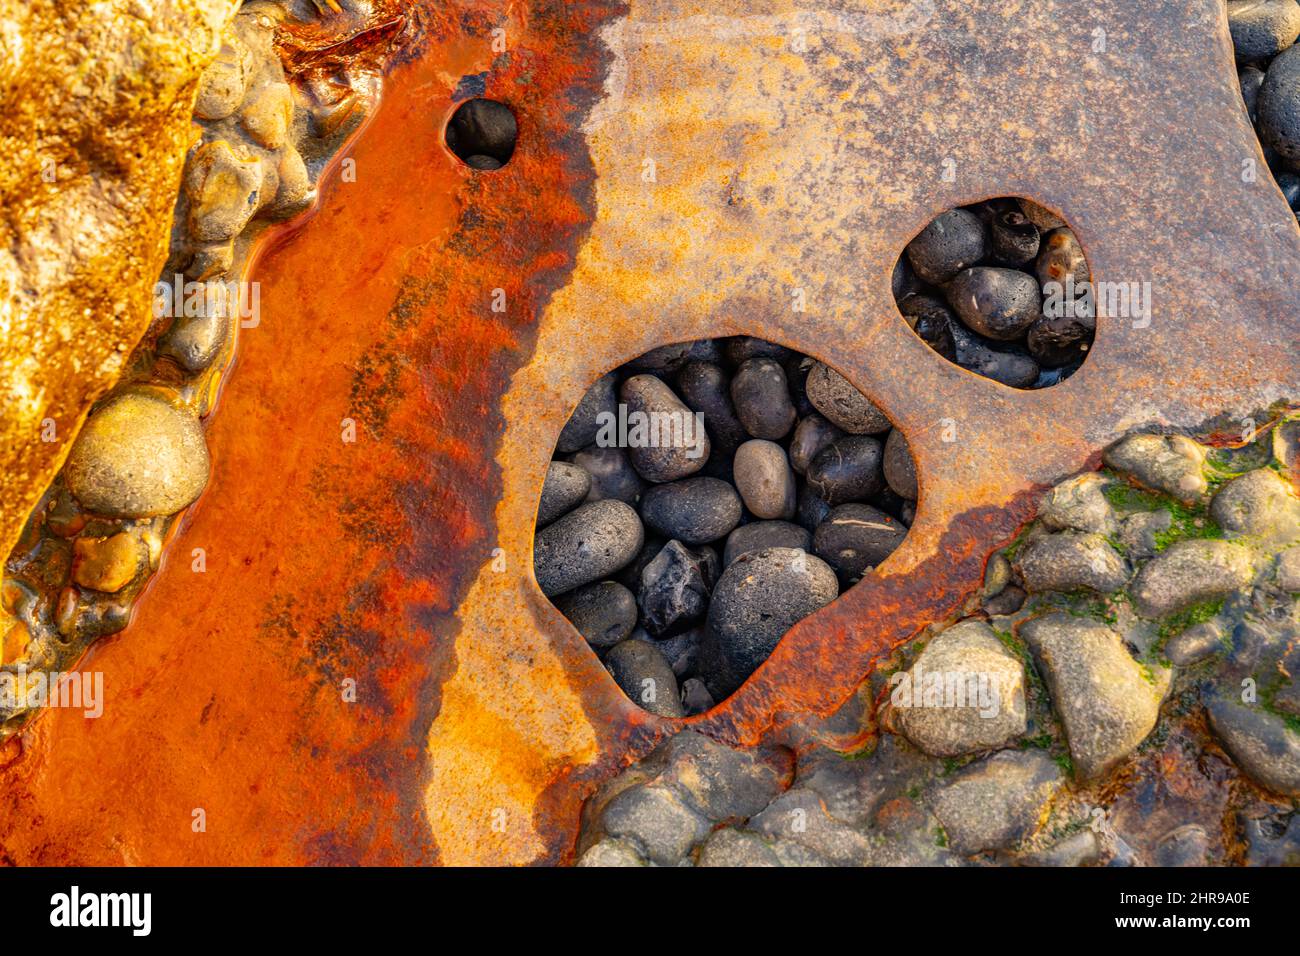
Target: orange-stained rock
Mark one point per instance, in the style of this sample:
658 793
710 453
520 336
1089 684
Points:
105 564
98 99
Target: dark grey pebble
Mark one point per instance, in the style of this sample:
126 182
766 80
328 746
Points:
761 396
1060 340
842 404
997 303
760 596
663 361
696 698
694 511
479 161
565 488
604 612
811 435
673 445
681 650
705 388
640 670
1261 29
741 348
979 356
581 428
1279 105
951 242
675 588
855 538
900 470
589 543
1008 601
483 127
932 321
848 469
1014 238
611 473
758 535
1251 78
812 510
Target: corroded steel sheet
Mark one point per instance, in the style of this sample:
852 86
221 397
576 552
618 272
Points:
683 170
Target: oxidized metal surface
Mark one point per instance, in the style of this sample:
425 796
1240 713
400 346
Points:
793 147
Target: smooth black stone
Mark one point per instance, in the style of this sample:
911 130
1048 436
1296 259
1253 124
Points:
856 538
566 487
953 241
979 356
797 368
996 303
758 535
761 397
640 670
483 127
675 588
900 469
1054 342
674 449
811 435
694 511
812 509
706 388
604 612
581 428
848 469
932 321
612 474
741 348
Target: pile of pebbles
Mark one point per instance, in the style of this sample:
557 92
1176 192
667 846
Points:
979 286
482 133
1264 33
683 565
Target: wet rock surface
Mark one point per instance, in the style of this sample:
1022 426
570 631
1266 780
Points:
732 488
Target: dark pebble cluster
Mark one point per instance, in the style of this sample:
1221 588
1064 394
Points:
1264 39
973 284
483 133
683 565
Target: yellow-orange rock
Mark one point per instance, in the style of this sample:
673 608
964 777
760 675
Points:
105 564
98 99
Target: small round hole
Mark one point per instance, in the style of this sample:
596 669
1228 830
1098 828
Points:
483 133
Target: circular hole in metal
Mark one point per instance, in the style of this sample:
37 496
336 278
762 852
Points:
483 133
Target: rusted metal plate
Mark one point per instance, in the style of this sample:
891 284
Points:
794 147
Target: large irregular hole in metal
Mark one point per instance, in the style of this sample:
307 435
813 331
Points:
705 497
1002 288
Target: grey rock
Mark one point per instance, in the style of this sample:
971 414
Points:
1168 463
194 342
1071 561
673 445
604 612
696 698
798 817
730 847
1251 79
1288 570
662 361
612 475
642 672
761 396
138 456
1078 849
997 575
811 435
694 511
1008 601
842 404
978 354
656 821
848 469
741 348
1260 743
1188 845
581 428
758 535
1139 533
1080 505
965 693
855 538
1104 699
566 487
813 509
1194 644
953 241
1261 29
760 596
1190 572
900 470
996 803
588 544
705 388
611 852
682 651
996 303
675 588
765 480
721 782
1260 505
1272 840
